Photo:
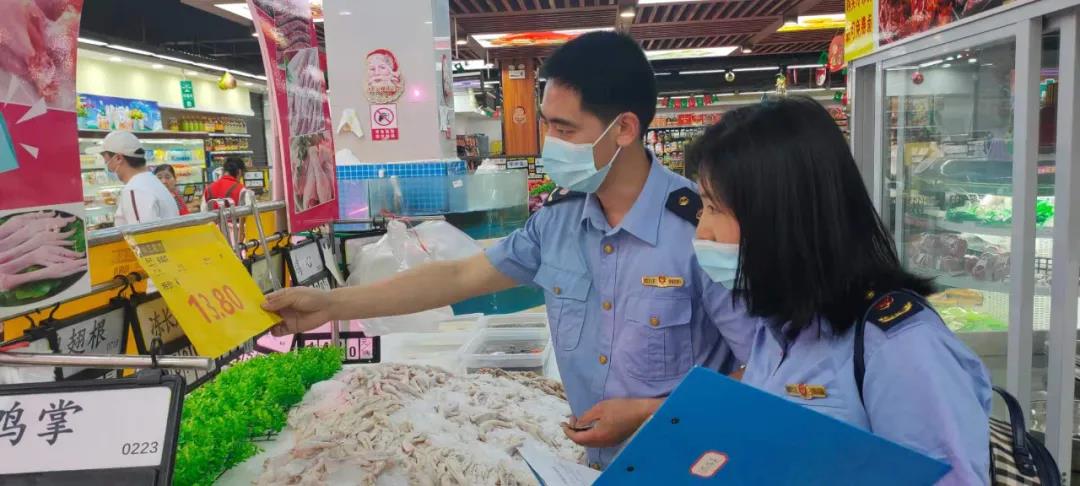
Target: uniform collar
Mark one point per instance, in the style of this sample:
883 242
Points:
643 219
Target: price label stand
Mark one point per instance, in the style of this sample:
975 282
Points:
90 433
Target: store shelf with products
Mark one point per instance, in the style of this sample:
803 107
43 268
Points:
669 144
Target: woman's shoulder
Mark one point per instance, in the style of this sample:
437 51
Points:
903 325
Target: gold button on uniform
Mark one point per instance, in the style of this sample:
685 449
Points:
556 290
654 321
609 249
595 466
603 359
606 305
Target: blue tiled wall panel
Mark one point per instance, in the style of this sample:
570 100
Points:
428 196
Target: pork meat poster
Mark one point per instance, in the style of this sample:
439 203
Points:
42 217
301 112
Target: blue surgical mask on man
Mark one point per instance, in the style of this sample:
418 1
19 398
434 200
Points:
571 165
719 260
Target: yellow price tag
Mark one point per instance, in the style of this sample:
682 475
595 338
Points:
215 300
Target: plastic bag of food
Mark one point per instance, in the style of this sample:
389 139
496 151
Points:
399 250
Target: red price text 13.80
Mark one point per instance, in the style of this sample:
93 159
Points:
224 303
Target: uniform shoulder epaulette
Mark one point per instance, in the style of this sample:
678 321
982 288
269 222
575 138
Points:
890 311
686 204
562 194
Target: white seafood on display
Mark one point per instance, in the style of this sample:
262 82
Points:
394 424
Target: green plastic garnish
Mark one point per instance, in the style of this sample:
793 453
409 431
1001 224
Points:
248 400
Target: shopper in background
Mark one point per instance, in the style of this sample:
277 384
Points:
144 198
229 186
630 310
167 175
789 227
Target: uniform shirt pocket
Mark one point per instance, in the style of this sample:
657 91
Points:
657 343
565 293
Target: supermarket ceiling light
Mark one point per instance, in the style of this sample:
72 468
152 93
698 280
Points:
806 66
756 68
158 66
461 42
804 23
131 50
935 62
83 40
628 14
662 73
660 55
973 60
116 59
240 9
703 71
530 39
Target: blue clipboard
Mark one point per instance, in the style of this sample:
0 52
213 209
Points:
715 430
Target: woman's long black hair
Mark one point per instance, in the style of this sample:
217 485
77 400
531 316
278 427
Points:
811 241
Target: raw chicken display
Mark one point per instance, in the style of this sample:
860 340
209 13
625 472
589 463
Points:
394 424
313 170
37 45
38 246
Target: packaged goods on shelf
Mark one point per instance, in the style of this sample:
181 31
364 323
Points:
394 424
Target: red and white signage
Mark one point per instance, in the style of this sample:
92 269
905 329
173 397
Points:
384 122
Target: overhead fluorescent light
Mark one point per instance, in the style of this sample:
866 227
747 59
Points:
947 65
806 66
628 14
491 83
115 59
902 68
746 48
973 60
814 22
461 42
190 72
530 39
703 71
158 66
662 73
240 9
665 54
211 66
755 68
131 50
173 59
83 40
935 62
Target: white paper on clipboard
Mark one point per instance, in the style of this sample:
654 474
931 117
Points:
554 471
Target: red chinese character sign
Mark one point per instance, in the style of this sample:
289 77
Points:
384 122
301 113
42 217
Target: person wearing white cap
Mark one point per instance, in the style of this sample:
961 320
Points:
144 198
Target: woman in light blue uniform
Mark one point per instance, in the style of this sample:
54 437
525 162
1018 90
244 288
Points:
788 225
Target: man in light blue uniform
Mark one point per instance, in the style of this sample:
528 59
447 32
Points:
630 310
625 298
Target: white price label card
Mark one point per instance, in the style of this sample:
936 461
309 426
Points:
306 262
81 430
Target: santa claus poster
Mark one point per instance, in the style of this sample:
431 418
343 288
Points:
42 217
301 113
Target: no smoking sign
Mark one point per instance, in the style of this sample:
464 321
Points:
384 122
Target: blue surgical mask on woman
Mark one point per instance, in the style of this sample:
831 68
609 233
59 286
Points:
719 260
571 165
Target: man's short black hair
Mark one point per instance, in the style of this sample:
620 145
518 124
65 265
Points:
610 72
233 166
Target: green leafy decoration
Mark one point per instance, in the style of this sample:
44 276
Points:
250 399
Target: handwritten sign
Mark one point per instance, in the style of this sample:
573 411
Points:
72 431
214 299
305 262
96 332
154 320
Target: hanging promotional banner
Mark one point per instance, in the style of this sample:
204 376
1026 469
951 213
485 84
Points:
211 294
872 24
300 110
42 216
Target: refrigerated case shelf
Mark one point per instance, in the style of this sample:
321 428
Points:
967 282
